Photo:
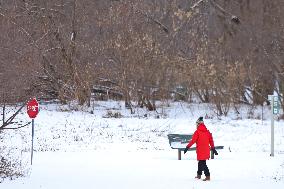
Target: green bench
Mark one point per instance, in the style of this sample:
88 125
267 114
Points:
179 142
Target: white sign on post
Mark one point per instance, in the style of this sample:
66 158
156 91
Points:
274 110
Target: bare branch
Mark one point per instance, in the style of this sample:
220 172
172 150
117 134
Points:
162 26
196 4
234 18
21 28
4 108
11 128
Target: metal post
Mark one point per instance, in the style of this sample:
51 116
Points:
272 127
179 154
32 150
212 154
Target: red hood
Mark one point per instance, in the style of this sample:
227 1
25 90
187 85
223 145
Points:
202 127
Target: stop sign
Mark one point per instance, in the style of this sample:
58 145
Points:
32 108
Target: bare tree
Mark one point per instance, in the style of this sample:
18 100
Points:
147 48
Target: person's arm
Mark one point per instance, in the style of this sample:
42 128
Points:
192 141
211 142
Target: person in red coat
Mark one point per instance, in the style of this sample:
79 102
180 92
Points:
203 138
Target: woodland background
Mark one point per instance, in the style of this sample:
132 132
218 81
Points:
224 52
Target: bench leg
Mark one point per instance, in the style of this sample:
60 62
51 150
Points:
179 154
212 155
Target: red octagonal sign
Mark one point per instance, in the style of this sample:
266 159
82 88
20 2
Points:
32 108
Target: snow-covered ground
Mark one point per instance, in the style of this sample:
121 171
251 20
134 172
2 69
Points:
78 149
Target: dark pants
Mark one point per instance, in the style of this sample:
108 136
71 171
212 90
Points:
203 167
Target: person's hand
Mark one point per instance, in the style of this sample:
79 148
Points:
214 151
185 150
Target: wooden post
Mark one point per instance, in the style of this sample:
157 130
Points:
179 154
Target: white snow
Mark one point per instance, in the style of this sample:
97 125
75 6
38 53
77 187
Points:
76 149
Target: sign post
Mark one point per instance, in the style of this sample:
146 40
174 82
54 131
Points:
272 127
33 133
32 110
274 110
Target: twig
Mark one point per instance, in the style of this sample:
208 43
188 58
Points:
18 127
154 20
234 18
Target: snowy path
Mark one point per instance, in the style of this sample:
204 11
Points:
120 169
132 153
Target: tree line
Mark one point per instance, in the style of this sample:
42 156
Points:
224 52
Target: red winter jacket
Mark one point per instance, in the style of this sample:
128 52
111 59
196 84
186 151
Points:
203 138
